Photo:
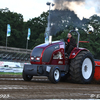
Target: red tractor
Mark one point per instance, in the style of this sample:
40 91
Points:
49 59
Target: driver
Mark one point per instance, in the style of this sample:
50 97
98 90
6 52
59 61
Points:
71 43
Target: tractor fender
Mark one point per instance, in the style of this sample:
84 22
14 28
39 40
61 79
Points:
76 51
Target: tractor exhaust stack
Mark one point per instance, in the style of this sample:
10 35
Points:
50 39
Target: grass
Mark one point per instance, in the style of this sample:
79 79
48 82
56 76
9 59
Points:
8 73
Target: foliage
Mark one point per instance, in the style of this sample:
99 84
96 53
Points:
62 23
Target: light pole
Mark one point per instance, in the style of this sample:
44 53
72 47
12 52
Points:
47 34
50 4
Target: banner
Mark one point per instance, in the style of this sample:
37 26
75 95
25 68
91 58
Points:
8 30
29 33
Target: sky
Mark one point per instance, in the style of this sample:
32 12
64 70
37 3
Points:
28 8
86 9
33 8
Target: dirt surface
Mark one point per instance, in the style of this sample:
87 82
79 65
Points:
13 87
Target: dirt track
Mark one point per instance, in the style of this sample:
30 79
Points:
13 87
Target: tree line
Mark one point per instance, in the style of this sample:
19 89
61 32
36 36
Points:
19 29
61 23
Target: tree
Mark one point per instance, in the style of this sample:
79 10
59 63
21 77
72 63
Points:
62 21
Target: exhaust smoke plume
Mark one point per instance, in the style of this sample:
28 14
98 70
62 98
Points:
62 19
83 8
69 12
63 4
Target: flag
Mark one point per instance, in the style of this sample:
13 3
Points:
8 30
29 33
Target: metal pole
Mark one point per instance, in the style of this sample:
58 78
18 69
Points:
27 44
6 42
49 8
78 37
49 19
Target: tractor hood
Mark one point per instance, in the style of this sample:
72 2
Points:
43 52
44 45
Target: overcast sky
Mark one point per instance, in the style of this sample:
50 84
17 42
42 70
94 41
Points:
28 8
33 8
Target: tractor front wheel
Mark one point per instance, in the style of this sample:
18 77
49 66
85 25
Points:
82 67
26 77
54 75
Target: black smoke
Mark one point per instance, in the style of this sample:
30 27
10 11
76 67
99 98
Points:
60 4
62 19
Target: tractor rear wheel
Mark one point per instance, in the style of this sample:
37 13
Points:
82 67
26 77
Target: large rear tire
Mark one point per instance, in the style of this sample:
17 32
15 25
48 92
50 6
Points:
82 67
54 75
26 77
